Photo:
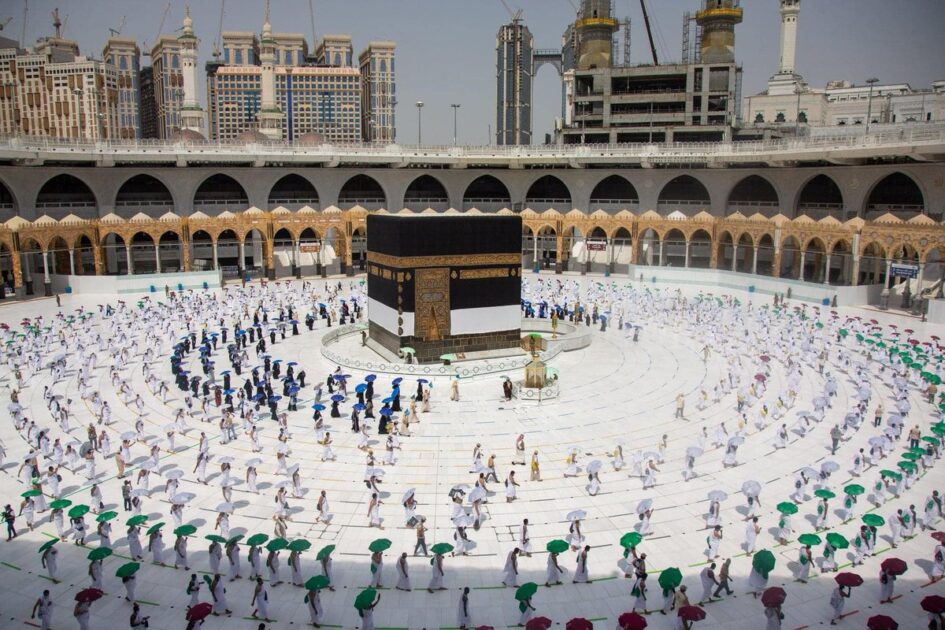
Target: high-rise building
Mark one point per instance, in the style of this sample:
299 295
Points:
124 55
335 51
514 65
378 91
168 84
147 108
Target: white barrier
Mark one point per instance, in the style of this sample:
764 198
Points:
138 283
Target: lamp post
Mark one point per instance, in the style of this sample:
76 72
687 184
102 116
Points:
797 110
869 103
419 122
455 107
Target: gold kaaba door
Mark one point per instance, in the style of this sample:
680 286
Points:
432 303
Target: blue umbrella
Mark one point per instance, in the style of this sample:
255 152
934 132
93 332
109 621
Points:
396 381
240 333
422 380
342 377
293 321
320 305
292 363
318 407
259 396
275 398
370 378
360 388
386 412
229 391
337 398
224 372
294 390
184 372
265 356
358 407
388 400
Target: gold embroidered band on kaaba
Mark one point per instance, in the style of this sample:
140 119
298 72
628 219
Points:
453 260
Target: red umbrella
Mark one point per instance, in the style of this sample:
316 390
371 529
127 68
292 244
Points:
579 623
848 579
88 595
894 566
939 536
773 596
935 338
765 358
485 628
934 604
692 613
632 621
538 623
200 611
908 330
881 622
761 377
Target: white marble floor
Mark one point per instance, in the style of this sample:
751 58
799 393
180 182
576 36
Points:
616 391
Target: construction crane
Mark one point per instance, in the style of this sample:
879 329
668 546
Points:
167 9
3 24
115 32
515 15
649 32
26 11
219 40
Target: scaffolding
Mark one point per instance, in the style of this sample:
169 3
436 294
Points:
691 51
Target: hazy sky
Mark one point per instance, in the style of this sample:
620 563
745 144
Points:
446 48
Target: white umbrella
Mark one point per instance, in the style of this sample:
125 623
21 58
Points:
229 483
736 440
829 467
183 498
877 441
30 455
717 495
226 459
644 505
175 473
128 435
820 401
285 483
252 463
807 471
408 494
291 470
170 428
478 494
890 431
594 466
576 515
225 507
139 492
464 520
377 472
694 451
649 455
14 407
147 465
751 488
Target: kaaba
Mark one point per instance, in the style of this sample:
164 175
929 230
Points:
444 284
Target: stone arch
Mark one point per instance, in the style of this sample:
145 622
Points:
613 194
700 249
66 194
649 245
9 208
143 193
143 258
725 249
685 194
487 193
293 191
815 252
753 194
896 193
673 248
58 252
840 270
765 248
114 253
220 192
621 243
425 192
201 250
362 190
548 192
171 246
255 249
820 197
790 257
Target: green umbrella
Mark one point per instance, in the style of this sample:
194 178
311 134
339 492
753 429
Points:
78 510
441 548
31 493
257 539
234 539
907 466
106 516
60 504
381 544
185 530
917 451
127 569
46 545
556 546
216 538
937 430
809 539
630 540
100 553
277 544
911 456
891 474
365 598
526 591
844 332
300 545
670 578
155 528
763 562
823 493
858 336
837 541
854 490
136 520
930 439
324 552
787 507
316 583
873 520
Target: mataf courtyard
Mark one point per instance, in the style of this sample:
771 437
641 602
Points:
151 438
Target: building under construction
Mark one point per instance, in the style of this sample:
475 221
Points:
606 99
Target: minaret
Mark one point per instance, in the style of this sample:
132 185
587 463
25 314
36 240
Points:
270 116
718 19
790 9
191 116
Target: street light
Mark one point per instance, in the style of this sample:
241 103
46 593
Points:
455 107
419 122
797 110
869 103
